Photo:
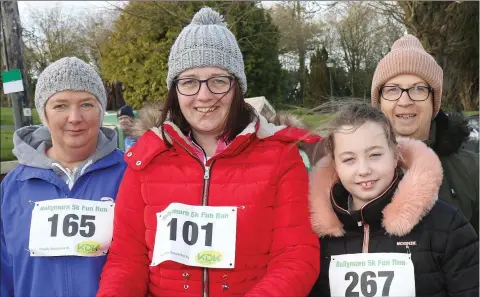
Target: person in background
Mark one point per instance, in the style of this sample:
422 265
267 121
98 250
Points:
407 86
383 231
126 118
215 199
56 214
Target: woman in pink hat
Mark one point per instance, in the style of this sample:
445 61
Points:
407 86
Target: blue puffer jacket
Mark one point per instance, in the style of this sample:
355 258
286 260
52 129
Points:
39 178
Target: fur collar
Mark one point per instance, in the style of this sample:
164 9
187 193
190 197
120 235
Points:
415 196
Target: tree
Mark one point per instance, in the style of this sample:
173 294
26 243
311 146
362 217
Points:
360 36
449 31
137 52
95 28
52 34
4 102
318 79
258 40
299 32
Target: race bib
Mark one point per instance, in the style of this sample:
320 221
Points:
202 236
71 227
372 274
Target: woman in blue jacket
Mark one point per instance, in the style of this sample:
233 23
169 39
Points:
56 216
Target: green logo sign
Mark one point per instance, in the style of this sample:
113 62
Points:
87 247
207 258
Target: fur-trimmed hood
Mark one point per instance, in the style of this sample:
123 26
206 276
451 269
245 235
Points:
149 117
415 196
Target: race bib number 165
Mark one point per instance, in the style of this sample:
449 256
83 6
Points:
71 227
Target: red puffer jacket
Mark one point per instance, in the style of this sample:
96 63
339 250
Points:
260 172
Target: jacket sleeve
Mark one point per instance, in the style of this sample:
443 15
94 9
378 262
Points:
460 266
126 270
295 255
6 269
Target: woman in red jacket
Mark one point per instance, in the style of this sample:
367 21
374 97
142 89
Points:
214 201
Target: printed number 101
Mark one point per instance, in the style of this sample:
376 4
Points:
187 226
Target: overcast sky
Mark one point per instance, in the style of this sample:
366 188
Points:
78 6
71 7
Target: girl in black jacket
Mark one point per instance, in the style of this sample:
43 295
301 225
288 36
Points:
383 231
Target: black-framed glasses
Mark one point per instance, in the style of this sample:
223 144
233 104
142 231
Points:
216 85
416 93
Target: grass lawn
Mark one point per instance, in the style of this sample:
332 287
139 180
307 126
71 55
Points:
6 136
470 113
316 121
6 140
6 116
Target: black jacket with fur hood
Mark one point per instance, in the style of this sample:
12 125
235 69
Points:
460 179
407 218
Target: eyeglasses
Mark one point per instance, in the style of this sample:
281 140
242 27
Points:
416 93
216 85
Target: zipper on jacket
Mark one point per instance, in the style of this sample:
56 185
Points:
206 183
67 278
366 230
366 227
366 238
206 186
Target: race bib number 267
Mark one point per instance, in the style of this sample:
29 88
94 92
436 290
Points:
371 275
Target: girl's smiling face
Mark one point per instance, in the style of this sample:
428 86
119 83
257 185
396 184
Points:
364 161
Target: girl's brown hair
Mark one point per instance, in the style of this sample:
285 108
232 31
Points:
356 115
239 116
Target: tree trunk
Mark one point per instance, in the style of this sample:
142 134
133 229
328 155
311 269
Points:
13 59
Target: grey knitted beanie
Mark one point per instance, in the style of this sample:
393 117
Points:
68 74
206 42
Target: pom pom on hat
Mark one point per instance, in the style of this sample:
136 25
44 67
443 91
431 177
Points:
207 16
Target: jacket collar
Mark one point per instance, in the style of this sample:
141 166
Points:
31 142
370 213
447 133
413 198
49 175
432 138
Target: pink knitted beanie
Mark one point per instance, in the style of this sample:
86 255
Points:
409 57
